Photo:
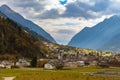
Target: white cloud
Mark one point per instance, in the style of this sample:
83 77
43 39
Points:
89 2
115 0
54 5
115 4
48 25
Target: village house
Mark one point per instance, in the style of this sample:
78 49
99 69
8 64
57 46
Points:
49 66
70 64
2 65
22 63
80 63
54 64
6 64
94 63
74 64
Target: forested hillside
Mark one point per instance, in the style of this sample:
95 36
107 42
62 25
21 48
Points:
17 41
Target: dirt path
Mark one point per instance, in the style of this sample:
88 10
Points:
8 78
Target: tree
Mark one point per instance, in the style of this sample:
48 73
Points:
59 64
41 63
34 62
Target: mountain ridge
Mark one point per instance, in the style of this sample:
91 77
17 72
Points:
99 35
16 17
18 42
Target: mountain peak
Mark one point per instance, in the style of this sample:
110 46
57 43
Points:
115 17
24 23
86 28
5 7
102 36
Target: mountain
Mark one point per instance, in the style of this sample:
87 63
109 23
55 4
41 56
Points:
103 36
8 13
17 41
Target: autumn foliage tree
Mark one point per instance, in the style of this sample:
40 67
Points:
16 40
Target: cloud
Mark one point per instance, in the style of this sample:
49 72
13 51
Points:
49 14
47 9
67 24
100 5
79 8
88 2
65 35
65 31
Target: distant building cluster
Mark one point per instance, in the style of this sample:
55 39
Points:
68 57
76 57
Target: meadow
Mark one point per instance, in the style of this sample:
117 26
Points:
70 74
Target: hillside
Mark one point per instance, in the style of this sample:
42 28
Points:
17 41
103 36
24 23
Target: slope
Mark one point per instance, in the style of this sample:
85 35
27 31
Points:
17 41
99 35
8 13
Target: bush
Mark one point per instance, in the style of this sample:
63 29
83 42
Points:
41 63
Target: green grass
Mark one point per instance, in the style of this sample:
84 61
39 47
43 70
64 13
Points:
73 74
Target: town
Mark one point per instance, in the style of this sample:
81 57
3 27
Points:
61 57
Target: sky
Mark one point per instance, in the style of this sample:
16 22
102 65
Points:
64 20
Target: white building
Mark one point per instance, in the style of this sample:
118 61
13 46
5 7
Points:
22 63
49 66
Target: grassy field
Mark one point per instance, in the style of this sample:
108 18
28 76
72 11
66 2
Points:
72 74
